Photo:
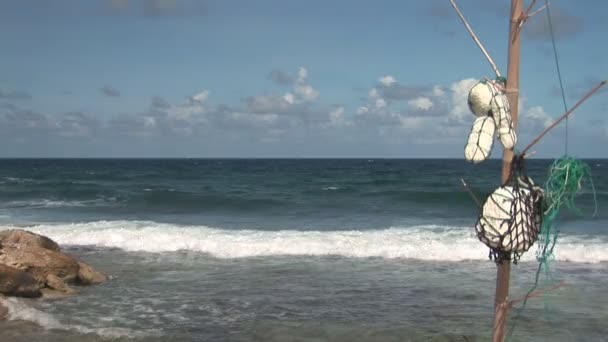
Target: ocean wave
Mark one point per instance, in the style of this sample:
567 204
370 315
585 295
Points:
18 309
15 180
49 203
422 242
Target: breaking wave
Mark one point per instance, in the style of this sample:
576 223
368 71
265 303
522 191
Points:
422 242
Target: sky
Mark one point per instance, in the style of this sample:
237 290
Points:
277 78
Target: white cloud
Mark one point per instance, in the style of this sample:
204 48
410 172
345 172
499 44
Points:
306 92
387 81
200 97
373 93
460 93
412 122
289 98
538 114
438 91
302 75
337 118
268 104
380 103
421 103
362 110
194 107
149 122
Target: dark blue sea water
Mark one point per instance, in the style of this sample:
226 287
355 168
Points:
301 250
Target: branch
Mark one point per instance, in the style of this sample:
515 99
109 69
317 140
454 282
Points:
565 115
466 187
537 293
485 53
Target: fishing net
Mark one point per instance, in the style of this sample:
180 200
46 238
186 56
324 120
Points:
564 183
511 216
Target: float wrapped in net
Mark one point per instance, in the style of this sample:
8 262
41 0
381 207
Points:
481 138
511 216
488 98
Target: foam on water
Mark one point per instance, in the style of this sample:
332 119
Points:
20 310
49 203
423 242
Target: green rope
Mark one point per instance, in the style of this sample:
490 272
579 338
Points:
564 183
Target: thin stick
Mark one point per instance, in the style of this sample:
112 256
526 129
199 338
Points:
538 10
565 115
485 53
466 187
537 293
527 15
530 7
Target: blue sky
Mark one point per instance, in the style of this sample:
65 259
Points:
171 78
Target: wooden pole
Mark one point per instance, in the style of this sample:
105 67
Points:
503 271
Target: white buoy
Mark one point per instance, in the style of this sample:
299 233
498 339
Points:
481 138
480 98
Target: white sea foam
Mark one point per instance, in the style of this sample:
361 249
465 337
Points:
19 310
15 180
424 242
48 203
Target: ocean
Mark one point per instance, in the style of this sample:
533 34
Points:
293 250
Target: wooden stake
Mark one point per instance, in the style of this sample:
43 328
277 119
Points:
503 271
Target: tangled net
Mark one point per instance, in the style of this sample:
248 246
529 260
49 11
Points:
565 180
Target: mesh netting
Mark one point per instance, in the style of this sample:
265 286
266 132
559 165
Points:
511 216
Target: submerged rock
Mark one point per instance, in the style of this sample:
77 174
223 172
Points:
32 264
88 276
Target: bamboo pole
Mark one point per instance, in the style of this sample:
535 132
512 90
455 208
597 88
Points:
503 271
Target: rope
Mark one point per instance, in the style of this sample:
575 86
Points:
559 73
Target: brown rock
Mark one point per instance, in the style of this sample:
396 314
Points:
24 238
55 283
39 262
88 276
14 282
32 265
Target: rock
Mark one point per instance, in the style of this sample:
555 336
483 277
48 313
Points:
24 238
55 283
88 276
40 262
32 265
14 282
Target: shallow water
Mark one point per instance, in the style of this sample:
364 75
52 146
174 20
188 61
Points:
192 296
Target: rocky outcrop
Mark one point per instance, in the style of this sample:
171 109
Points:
32 265
14 282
